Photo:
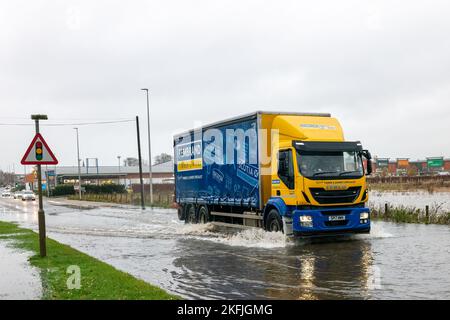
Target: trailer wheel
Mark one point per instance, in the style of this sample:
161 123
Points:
203 215
181 212
191 215
273 222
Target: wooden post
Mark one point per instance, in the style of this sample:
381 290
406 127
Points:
140 163
427 214
41 214
386 209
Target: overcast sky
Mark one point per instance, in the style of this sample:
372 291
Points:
381 67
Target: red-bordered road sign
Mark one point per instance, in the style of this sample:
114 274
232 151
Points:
38 152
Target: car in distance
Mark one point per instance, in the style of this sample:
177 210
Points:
6 194
17 195
28 195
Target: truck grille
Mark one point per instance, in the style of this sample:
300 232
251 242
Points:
323 196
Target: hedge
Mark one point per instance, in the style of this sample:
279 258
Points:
63 190
104 188
68 189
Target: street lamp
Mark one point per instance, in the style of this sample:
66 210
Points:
118 176
79 169
149 148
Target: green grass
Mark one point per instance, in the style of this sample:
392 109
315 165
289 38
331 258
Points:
98 279
124 199
406 214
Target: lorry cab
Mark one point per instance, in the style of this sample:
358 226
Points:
318 179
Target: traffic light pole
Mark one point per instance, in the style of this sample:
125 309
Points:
41 215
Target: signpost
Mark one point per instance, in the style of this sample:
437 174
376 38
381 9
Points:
39 153
437 162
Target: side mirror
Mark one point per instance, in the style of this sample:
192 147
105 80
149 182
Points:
368 156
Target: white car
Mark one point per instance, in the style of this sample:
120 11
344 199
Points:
28 195
6 194
17 195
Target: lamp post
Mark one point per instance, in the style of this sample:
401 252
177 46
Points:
118 176
79 169
149 148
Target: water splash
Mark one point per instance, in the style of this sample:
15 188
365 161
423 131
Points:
253 237
377 231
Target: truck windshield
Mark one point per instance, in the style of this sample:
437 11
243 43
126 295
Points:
332 164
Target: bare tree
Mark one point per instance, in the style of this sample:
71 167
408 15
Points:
163 157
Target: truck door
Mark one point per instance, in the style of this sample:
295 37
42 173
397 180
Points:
283 185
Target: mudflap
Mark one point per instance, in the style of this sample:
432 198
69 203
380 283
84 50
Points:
287 227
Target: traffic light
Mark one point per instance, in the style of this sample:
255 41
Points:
38 150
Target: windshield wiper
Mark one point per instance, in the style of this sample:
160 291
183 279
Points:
347 172
323 172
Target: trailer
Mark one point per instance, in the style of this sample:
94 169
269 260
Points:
289 172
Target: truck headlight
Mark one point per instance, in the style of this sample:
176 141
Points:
363 217
306 221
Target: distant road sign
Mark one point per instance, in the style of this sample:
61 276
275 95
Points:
39 152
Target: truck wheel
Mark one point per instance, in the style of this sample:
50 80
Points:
273 222
181 213
191 215
203 215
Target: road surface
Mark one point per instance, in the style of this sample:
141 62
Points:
396 261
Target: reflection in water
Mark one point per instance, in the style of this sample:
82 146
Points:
300 271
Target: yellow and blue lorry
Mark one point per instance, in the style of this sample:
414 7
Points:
289 172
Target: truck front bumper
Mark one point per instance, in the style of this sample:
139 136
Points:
336 221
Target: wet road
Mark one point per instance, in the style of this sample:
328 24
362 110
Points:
399 261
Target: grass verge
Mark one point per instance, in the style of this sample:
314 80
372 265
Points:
123 199
98 279
406 214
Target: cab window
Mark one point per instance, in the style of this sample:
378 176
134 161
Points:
286 168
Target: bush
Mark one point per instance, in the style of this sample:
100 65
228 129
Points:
63 190
18 188
104 188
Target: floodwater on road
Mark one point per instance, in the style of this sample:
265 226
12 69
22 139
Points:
395 261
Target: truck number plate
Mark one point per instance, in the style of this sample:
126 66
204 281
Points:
336 218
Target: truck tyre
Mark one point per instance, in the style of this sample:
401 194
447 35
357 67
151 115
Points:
181 212
191 216
203 214
273 221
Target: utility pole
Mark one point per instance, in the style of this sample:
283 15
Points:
149 148
78 161
140 163
14 175
41 215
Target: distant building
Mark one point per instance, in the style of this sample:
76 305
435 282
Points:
127 175
447 165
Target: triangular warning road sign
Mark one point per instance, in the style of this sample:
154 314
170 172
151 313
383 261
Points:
38 152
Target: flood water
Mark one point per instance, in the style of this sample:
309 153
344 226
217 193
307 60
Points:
438 202
398 261
18 280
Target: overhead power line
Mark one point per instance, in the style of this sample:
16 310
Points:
69 124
